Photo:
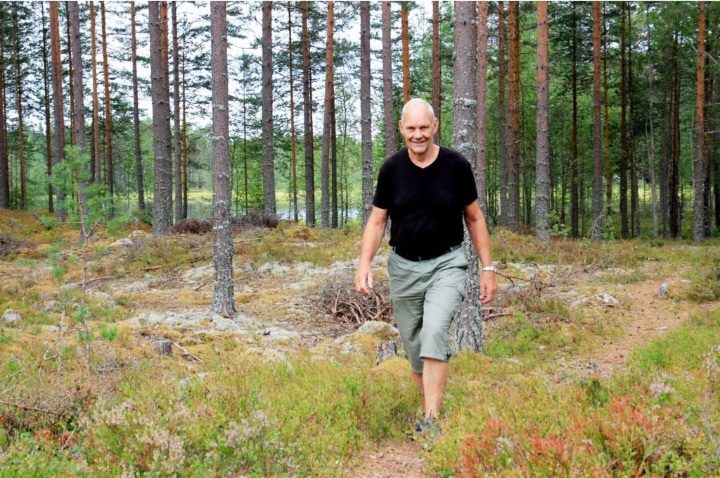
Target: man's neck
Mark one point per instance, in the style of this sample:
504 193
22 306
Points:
426 159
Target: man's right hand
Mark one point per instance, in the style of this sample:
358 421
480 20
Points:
364 279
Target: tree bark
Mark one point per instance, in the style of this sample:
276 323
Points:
606 129
293 147
4 166
71 76
597 226
365 112
327 120
389 111
97 168
308 122
184 135
177 136
136 114
108 113
482 65
466 328
699 166
405 34
436 71
46 105
624 226
18 103
503 131
57 90
542 144
513 180
574 193
267 112
634 199
162 200
223 292
78 109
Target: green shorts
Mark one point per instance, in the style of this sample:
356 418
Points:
425 296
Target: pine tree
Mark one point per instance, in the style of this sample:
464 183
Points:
365 113
597 227
267 112
542 159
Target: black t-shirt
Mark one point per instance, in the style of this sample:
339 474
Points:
425 204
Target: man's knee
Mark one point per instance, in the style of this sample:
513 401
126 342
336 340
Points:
434 342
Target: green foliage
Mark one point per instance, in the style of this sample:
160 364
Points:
5 339
108 332
705 286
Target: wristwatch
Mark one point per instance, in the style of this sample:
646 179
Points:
489 268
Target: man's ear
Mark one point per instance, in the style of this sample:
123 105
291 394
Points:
400 126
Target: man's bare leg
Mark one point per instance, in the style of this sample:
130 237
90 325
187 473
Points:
434 379
418 379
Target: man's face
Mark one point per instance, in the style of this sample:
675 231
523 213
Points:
418 128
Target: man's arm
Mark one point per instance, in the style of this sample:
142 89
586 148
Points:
475 222
372 236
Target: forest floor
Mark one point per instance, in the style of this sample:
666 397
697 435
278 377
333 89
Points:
285 387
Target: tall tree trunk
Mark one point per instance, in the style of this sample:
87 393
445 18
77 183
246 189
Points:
387 78
624 228
97 168
308 123
606 127
108 113
597 226
650 133
542 144
46 104
223 291
675 219
405 34
333 165
365 112
57 90
482 63
184 134
162 200
699 167
513 180
327 120
78 107
177 139
466 328
634 199
267 112
18 102
435 68
136 114
4 166
71 76
574 201
293 148
503 126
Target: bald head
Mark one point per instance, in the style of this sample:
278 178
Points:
417 106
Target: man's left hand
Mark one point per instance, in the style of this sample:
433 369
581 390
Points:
487 287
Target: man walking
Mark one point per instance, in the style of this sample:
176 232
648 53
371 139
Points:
427 191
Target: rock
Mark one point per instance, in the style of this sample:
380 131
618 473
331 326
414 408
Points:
385 350
199 273
124 242
578 302
103 297
606 299
663 290
11 316
163 346
381 330
137 235
275 268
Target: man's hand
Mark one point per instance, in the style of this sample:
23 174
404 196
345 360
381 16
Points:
487 287
364 279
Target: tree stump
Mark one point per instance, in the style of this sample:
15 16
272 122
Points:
163 346
385 350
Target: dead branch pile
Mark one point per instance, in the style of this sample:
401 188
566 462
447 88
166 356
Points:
9 244
337 297
193 226
254 219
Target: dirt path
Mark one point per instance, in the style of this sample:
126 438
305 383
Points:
645 317
391 460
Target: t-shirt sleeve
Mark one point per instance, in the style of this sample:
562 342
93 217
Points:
467 191
383 191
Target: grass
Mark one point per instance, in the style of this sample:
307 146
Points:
514 411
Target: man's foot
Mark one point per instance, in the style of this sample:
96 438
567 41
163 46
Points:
425 429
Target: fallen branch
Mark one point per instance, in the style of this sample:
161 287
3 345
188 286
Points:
187 351
201 285
29 408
